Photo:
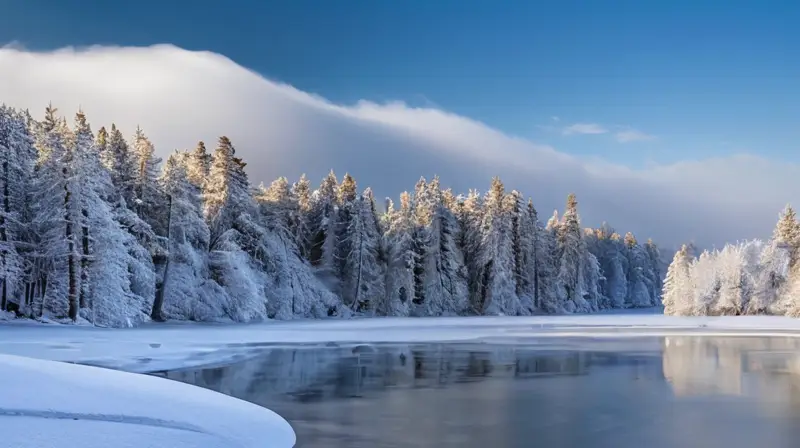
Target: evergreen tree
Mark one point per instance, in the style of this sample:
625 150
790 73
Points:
55 218
148 203
678 288
571 250
498 295
16 170
707 283
117 159
101 142
637 275
280 204
439 261
185 273
400 258
347 209
470 218
735 284
787 233
363 276
545 265
611 255
655 270
226 193
106 297
322 227
523 240
301 191
198 165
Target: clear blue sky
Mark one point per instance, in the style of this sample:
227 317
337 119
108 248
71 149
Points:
706 77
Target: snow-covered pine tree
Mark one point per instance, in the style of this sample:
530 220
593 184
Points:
571 250
84 153
224 197
301 191
498 295
439 260
638 263
17 157
185 285
149 203
545 265
592 279
101 143
770 278
678 292
55 219
399 227
706 280
147 250
117 159
470 218
322 225
198 163
654 257
523 240
787 231
106 297
279 204
347 198
238 259
420 241
363 271
735 283
292 288
614 265
553 223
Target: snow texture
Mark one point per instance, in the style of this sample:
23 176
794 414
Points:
121 409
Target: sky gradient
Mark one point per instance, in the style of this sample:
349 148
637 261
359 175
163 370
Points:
705 77
649 86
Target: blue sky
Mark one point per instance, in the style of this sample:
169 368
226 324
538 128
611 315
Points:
706 78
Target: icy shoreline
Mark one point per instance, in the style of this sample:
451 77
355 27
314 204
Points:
171 346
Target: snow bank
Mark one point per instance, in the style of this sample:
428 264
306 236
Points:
170 346
71 405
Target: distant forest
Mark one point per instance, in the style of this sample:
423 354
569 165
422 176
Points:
95 228
751 277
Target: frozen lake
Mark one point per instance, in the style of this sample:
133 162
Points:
657 391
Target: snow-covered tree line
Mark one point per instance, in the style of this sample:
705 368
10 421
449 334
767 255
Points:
94 227
751 277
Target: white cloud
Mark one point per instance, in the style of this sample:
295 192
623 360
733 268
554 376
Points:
584 128
179 97
632 135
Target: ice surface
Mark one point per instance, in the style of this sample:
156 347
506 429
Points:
68 405
172 346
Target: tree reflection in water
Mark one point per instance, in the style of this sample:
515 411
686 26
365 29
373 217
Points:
676 392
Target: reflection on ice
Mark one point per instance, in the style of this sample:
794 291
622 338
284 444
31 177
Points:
658 392
309 373
733 366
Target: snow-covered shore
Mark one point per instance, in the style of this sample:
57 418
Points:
170 346
72 405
